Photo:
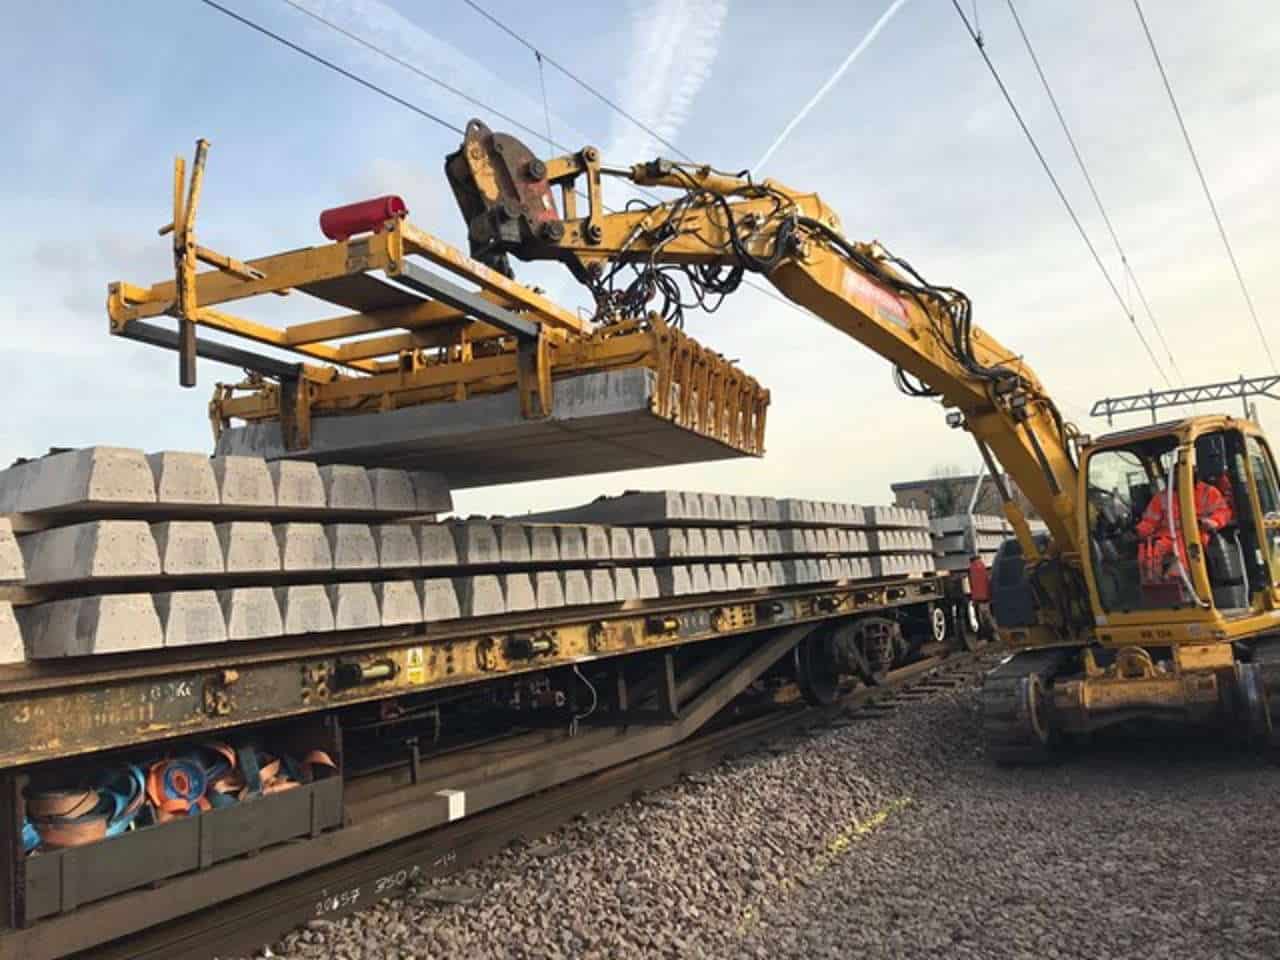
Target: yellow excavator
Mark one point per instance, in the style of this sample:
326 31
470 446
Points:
1134 605
1154 594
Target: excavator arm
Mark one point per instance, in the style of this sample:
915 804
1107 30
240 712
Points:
719 227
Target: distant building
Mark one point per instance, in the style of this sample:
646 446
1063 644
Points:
944 496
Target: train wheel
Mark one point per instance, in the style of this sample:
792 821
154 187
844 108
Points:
938 626
815 669
877 640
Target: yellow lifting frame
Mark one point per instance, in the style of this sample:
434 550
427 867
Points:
414 344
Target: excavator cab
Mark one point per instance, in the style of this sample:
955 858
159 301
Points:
1183 575
1149 553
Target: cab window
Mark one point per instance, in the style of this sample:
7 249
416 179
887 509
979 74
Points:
1264 474
1135 557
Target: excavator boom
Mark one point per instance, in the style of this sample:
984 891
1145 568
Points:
1109 629
721 226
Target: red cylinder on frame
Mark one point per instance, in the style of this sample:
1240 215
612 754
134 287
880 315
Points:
366 216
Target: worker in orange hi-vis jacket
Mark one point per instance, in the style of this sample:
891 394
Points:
1212 514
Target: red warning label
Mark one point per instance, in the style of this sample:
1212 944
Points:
884 305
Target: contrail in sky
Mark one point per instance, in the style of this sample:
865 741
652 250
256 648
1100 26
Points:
831 82
674 45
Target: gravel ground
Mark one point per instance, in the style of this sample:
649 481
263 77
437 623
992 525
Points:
889 837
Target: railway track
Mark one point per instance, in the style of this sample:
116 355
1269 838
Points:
240 927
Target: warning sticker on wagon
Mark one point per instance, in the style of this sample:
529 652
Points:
415 670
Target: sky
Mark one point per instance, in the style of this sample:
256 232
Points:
912 146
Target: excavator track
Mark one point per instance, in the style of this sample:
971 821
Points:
1266 658
1016 707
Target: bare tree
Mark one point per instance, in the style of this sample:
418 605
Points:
949 490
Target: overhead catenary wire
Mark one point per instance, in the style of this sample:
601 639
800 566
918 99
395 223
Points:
640 124
576 79
953 303
1044 164
418 71
546 104
382 91
413 68
1130 276
297 48
1204 184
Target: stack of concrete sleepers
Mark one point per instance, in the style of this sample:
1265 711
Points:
12 570
958 537
789 541
122 551
125 551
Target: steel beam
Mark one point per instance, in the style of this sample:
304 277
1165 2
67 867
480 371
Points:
1154 400
157 336
472 304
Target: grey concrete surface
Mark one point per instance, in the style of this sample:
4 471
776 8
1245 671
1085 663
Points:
577 589
480 596
251 613
84 552
573 543
183 479
597 539
188 547
393 490
298 485
674 581
437 545
476 543
601 422
544 545
513 542
548 589
346 487
647 583
440 600
12 648
670 543
305 608
243 482
248 546
303 547
620 544
602 588
352 546
12 567
399 602
716 578
624 585
190 617
77 480
354 606
517 592
397 545
91 625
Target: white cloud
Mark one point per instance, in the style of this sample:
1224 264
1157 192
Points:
673 44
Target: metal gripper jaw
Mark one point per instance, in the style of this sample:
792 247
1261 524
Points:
503 193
